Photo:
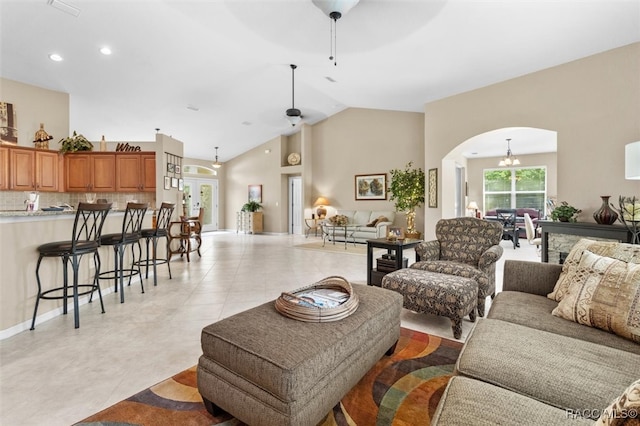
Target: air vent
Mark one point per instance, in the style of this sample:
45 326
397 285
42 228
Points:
330 79
66 8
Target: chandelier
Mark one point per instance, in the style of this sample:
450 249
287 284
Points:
509 159
217 164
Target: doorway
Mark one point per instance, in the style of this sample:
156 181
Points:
202 193
295 205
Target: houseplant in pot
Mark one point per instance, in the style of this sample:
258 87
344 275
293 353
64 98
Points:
251 206
565 213
407 190
75 143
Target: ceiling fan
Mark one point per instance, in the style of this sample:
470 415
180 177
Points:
294 115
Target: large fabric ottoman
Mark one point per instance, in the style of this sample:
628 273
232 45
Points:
267 369
434 293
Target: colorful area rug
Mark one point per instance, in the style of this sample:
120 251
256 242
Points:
402 389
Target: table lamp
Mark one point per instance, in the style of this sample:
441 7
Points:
321 202
474 206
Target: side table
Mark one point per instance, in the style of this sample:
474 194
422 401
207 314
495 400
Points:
374 277
312 225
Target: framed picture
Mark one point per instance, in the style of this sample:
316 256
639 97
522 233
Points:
180 184
167 182
371 187
255 193
178 169
8 130
171 168
395 233
432 179
174 182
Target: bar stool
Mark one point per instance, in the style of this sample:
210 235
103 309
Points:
154 234
130 235
85 237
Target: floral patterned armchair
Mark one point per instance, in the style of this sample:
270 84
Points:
466 247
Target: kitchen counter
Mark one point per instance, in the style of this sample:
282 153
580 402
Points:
22 232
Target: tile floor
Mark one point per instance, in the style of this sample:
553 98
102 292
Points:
57 375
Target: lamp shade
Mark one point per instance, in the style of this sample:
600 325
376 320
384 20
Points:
473 206
632 161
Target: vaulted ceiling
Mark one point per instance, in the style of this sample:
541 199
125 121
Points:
216 73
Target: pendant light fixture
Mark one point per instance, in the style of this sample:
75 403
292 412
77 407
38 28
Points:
217 164
509 159
293 114
334 9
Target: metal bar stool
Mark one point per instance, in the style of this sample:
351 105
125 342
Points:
85 239
130 235
154 234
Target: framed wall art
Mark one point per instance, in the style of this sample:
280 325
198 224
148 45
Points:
255 193
171 168
371 187
174 182
8 130
432 180
180 184
167 182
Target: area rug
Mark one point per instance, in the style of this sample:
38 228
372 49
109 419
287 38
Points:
402 389
338 247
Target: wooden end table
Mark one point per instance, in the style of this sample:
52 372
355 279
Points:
374 277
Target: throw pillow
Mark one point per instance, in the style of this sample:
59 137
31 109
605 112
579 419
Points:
613 249
383 219
604 293
339 219
372 223
624 410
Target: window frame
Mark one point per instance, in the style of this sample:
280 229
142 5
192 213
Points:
513 193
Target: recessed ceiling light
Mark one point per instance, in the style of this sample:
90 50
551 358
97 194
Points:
55 57
105 50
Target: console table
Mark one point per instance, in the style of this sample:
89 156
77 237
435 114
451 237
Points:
374 277
581 229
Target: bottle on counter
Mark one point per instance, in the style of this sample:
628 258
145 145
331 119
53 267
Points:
103 144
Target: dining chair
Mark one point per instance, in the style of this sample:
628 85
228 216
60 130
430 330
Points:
531 233
509 226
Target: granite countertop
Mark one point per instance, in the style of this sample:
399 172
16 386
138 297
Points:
38 213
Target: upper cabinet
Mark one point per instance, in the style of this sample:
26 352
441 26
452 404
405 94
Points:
90 172
110 172
4 168
136 172
34 169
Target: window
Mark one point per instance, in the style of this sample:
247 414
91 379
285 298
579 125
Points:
515 188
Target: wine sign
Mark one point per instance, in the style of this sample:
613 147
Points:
125 147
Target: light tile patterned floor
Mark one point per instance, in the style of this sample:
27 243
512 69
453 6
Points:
57 375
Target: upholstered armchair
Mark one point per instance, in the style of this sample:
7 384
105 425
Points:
466 247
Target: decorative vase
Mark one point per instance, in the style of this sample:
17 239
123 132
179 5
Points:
605 215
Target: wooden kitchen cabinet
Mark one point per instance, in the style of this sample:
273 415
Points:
90 172
34 170
4 168
136 172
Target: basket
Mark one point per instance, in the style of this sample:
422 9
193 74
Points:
291 305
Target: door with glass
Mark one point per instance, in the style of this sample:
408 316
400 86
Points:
202 193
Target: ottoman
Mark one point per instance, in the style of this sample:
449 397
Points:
435 293
267 369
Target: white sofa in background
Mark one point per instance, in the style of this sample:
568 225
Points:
357 224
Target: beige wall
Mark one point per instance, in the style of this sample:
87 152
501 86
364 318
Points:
34 105
352 142
592 104
476 167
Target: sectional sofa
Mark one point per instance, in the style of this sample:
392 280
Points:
526 365
362 225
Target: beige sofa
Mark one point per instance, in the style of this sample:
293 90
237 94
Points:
523 365
357 229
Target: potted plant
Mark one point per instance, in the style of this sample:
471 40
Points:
74 143
407 190
251 206
565 213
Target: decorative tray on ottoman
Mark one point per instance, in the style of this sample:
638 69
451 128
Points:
330 299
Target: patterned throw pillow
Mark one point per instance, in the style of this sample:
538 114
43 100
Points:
612 249
624 410
604 293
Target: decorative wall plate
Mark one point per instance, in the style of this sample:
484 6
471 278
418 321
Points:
293 159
